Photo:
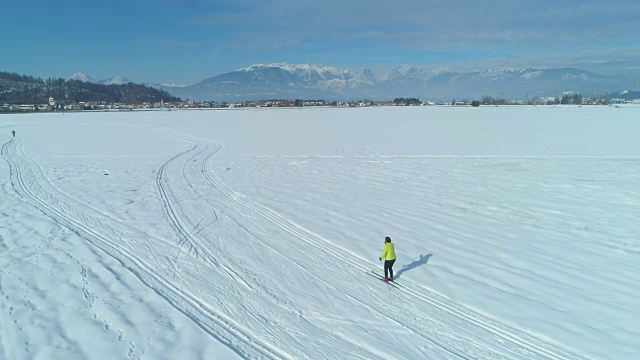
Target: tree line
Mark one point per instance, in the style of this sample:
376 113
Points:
407 101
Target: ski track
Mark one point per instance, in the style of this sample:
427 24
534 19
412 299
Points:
186 238
95 227
457 330
509 342
200 247
463 314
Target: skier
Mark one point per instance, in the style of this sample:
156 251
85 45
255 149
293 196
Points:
13 132
389 255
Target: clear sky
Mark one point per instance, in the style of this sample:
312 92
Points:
188 41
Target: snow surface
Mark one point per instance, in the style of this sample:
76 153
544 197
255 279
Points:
231 234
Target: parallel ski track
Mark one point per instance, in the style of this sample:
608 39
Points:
84 225
305 236
195 246
420 332
191 241
93 229
517 337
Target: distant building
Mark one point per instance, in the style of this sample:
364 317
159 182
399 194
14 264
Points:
51 102
24 107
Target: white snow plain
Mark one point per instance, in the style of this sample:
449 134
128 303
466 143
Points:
246 234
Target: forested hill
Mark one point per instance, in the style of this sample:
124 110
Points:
24 89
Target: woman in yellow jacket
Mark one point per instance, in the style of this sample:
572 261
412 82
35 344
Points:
389 255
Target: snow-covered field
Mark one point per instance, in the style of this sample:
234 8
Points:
247 233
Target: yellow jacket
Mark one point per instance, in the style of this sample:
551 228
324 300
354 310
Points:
389 252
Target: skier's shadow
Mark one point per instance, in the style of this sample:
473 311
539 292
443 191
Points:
421 261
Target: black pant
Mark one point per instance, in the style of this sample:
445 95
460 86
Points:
388 267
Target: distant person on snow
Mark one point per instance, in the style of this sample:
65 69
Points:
13 132
389 255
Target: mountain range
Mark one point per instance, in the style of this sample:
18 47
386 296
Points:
309 81
116 80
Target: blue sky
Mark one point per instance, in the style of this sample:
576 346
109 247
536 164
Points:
185 42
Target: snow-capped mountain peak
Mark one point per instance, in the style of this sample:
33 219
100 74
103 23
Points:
116 80
294 68
81 77
319 72
404 72
496 73
174 85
